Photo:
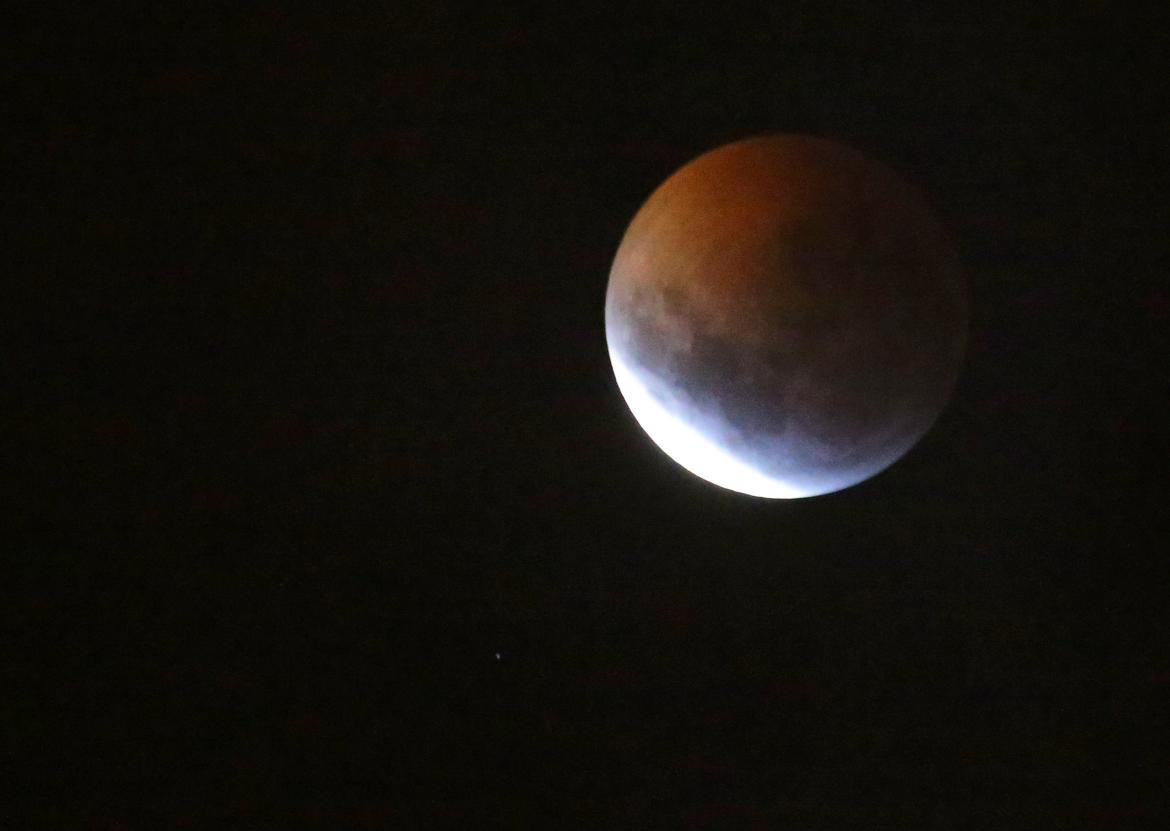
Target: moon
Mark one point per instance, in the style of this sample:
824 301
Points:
785 317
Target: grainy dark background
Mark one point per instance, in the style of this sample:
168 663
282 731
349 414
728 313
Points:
328 509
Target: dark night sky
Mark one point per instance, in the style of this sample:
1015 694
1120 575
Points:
314 418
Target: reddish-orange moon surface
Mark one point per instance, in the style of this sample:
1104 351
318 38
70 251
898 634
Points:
785 316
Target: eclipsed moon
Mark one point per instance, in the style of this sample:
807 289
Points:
785 317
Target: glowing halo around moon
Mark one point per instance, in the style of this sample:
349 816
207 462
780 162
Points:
785 317
688 446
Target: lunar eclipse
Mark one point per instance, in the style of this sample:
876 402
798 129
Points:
785 316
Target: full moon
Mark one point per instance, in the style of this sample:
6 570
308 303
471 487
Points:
785 316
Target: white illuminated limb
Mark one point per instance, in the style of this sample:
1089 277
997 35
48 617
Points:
690 448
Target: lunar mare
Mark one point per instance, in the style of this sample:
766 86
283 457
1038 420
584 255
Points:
785 317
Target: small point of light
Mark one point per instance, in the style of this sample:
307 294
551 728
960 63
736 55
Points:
497 656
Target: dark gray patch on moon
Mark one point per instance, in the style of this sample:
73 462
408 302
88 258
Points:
818 409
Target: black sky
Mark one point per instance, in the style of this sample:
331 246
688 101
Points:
330 512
